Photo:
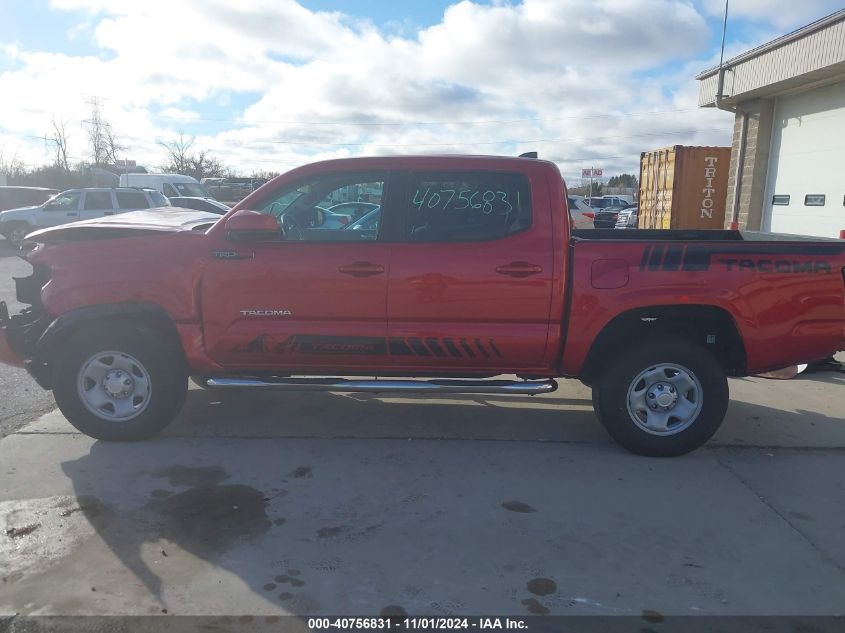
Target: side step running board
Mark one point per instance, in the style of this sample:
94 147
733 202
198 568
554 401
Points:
515 387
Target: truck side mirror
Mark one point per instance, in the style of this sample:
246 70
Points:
252 226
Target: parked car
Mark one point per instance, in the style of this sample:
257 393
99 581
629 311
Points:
653 321
231 189
200 204
619 199
353 210
606 218
369 222
171 185
76 204
596 203
581 213
627 218
12 197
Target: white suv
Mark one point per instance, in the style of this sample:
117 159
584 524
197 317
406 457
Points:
74 205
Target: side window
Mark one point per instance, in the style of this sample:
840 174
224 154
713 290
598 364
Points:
169 191
318 210
67 201
97 200
131 200
461 206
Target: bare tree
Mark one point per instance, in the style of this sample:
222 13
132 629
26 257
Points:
12 167
180 159
112 145
177 158
57 140
204 165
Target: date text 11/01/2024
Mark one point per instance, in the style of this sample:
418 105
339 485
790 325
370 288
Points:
417 623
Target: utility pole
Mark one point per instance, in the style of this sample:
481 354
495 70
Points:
95 129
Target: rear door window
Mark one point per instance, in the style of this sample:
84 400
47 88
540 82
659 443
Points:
97 201
466 206
132 200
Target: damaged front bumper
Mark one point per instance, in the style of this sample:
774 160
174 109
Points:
8 355
18 335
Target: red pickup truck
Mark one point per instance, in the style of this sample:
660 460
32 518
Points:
462 275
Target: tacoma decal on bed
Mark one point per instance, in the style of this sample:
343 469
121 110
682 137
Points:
693 257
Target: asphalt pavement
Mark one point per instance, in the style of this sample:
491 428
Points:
21 399
259 504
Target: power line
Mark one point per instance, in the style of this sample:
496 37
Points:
471 143
421 123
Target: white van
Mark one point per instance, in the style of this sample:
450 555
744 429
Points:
171 185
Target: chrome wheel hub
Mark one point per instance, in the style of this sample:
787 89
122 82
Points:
114 386
665 399
118 384
662 396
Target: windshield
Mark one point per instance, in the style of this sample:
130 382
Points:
158 198
192 189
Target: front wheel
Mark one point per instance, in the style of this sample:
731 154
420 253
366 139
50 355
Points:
662 398
16 232
120 382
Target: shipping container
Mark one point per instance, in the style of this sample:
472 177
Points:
684 187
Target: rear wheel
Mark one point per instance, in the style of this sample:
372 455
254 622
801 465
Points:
119 383
662 398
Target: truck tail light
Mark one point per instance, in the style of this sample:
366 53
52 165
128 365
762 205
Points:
592 216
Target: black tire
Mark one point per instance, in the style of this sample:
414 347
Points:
12 232
611 391
160 360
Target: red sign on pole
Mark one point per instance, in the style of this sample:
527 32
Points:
593 172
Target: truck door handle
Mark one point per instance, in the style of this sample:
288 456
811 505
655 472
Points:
108 213
73 214
519 269
361 269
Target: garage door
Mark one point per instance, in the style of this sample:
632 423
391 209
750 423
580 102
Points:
805 191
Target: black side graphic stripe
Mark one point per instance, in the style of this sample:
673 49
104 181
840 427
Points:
644 260
434 346
656 258
398 347
494 348
418 347
467 348
481 348
672 261
450 345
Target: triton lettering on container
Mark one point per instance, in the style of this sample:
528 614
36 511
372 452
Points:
684 187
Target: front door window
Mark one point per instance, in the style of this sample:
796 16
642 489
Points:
321 209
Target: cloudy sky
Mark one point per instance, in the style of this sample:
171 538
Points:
271 84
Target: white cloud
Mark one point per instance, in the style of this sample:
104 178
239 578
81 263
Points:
782 14
571 77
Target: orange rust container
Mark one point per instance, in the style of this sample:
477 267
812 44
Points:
684 187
